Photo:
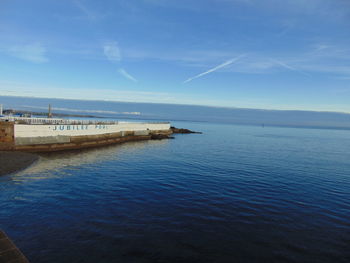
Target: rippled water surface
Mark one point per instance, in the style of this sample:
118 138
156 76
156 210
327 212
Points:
232 194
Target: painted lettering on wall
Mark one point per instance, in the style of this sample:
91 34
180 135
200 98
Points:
71 127
101 126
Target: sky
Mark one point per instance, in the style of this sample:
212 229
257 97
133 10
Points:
268 54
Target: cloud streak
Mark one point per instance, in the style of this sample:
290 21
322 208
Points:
124 73
35 53
284 65
90 15
115 94
225 64
112 52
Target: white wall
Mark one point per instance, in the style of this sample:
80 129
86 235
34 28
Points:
24 130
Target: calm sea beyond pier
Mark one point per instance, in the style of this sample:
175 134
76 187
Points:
236 193
175 131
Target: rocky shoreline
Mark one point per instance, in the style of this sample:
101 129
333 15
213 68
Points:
182 130
174 130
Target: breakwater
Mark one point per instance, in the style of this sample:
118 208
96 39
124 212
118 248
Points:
43 137
9 252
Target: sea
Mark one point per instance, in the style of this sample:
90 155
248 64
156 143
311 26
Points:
235 193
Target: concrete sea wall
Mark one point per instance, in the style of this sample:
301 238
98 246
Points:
51 137
7 136
9 252
25 130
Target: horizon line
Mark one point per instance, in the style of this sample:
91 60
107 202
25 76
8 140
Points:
181 104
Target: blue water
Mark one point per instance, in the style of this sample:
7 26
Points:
233 194
156 111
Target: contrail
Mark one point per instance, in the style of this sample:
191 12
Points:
126 74
289 67
112 53
85 10
215 69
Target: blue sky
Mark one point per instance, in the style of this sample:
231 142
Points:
271 54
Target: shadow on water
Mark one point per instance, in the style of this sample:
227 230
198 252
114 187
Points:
57 161
227 196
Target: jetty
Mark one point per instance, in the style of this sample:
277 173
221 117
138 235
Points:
31 134
9 253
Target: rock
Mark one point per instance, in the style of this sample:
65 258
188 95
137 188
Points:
182 130
161 136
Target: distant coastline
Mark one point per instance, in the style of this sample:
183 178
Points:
178 112
44 114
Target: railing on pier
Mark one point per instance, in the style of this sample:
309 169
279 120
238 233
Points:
29 120
38 121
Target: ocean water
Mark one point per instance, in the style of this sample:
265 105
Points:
156 111
232 194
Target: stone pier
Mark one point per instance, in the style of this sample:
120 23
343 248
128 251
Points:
9 253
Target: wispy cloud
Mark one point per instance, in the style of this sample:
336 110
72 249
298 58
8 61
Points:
113 54
284 65
126 74
86 11
327 58
31 52
115 94
225 64
112 51
320 47
343 78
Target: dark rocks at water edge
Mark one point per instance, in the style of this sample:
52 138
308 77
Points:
11 162
174 130
182 131
161 136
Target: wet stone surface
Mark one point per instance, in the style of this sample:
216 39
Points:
9 252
